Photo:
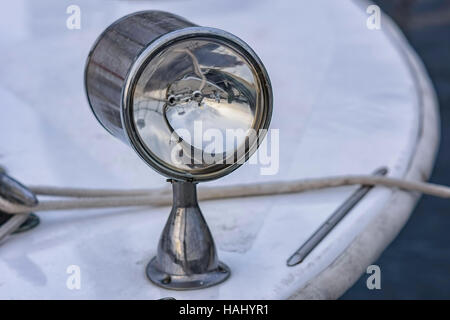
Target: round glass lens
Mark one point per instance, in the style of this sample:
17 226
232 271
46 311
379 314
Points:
195 105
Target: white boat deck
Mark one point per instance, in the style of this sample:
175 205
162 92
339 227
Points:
345 102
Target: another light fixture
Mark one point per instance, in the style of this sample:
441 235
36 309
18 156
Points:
152 78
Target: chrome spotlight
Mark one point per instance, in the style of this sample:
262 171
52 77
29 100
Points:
152 78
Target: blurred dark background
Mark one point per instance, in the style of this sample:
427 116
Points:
417 264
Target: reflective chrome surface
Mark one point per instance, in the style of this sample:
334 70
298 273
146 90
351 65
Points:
192 90
187 257
15 192
112 56
191 101
152 78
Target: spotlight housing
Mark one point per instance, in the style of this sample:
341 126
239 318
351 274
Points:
151 79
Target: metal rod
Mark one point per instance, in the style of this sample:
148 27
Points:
332 221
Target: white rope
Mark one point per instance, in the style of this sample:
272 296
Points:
102 198
80 198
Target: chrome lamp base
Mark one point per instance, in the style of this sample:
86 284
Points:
187 257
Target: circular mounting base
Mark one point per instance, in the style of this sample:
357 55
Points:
31 222
186 282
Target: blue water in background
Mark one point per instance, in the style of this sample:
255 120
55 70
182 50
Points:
417 263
